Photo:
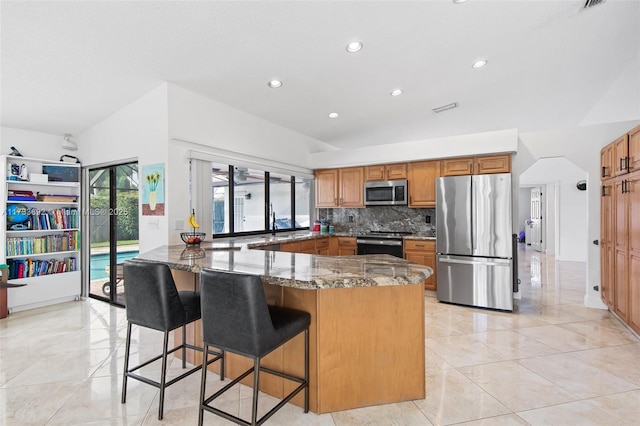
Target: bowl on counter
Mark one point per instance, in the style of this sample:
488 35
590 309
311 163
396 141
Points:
192 238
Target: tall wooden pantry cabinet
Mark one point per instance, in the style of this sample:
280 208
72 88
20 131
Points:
620 227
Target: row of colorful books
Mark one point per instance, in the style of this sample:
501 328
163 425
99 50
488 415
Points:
19 246
26 268
63 218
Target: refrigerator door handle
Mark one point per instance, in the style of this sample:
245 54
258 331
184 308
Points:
474 216
493 262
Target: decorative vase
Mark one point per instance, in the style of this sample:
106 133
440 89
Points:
152 200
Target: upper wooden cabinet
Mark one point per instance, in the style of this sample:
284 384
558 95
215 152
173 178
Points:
385 172
351 187
634 149
606 162
476 165
327 188
422 183
621 155
340 187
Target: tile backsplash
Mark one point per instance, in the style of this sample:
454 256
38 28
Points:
380 218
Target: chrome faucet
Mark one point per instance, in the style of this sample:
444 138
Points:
273 221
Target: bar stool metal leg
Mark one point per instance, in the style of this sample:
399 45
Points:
184 348
306 370
256 386
126 364
163 377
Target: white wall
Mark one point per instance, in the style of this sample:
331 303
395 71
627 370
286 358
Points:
137 131
573 204
582 147
197 122
454 146
552 202
33 144
524 209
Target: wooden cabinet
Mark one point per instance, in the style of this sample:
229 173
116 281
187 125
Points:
424 253
346 246
340 187
322 246
422 183
607 247
327 188
620 241
621 155
634 149
620 227
476 165
308 246
632 189
606 162
493 164
385 172
293 247
351 187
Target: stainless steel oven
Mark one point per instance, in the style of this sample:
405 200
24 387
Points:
381 242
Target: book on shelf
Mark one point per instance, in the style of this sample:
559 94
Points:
62 218
27 268
20 246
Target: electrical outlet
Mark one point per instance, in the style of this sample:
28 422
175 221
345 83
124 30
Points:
428 219
350 218
179 226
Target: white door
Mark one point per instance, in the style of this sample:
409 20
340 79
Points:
536 219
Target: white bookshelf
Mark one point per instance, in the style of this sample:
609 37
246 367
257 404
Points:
57 242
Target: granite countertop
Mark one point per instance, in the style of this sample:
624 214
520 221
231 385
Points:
305 271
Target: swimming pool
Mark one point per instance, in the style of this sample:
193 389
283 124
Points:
100 261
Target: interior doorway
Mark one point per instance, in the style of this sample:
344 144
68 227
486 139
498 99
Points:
563 207
113 228
537 219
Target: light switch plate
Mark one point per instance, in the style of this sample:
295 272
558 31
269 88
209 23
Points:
179 226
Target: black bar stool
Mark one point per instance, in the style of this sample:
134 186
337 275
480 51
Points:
153 301
236 318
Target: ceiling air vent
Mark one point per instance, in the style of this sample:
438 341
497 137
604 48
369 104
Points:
445 108
591 3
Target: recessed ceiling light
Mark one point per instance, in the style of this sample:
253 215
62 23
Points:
396 92
445 107
354 46
274 84
334 115
479 64
459 1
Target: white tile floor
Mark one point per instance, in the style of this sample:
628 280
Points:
552 361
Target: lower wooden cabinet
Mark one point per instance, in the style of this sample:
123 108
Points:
322 246
424 253
620 255
346 246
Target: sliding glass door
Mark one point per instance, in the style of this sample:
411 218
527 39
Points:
113 228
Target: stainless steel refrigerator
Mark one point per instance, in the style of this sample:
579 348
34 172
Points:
474 240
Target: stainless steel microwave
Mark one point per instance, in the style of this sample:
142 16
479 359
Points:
386 193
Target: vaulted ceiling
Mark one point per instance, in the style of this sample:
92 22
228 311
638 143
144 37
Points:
551 64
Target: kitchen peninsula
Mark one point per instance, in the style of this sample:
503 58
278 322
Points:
367 328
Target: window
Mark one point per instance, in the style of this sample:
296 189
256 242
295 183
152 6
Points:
253 196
